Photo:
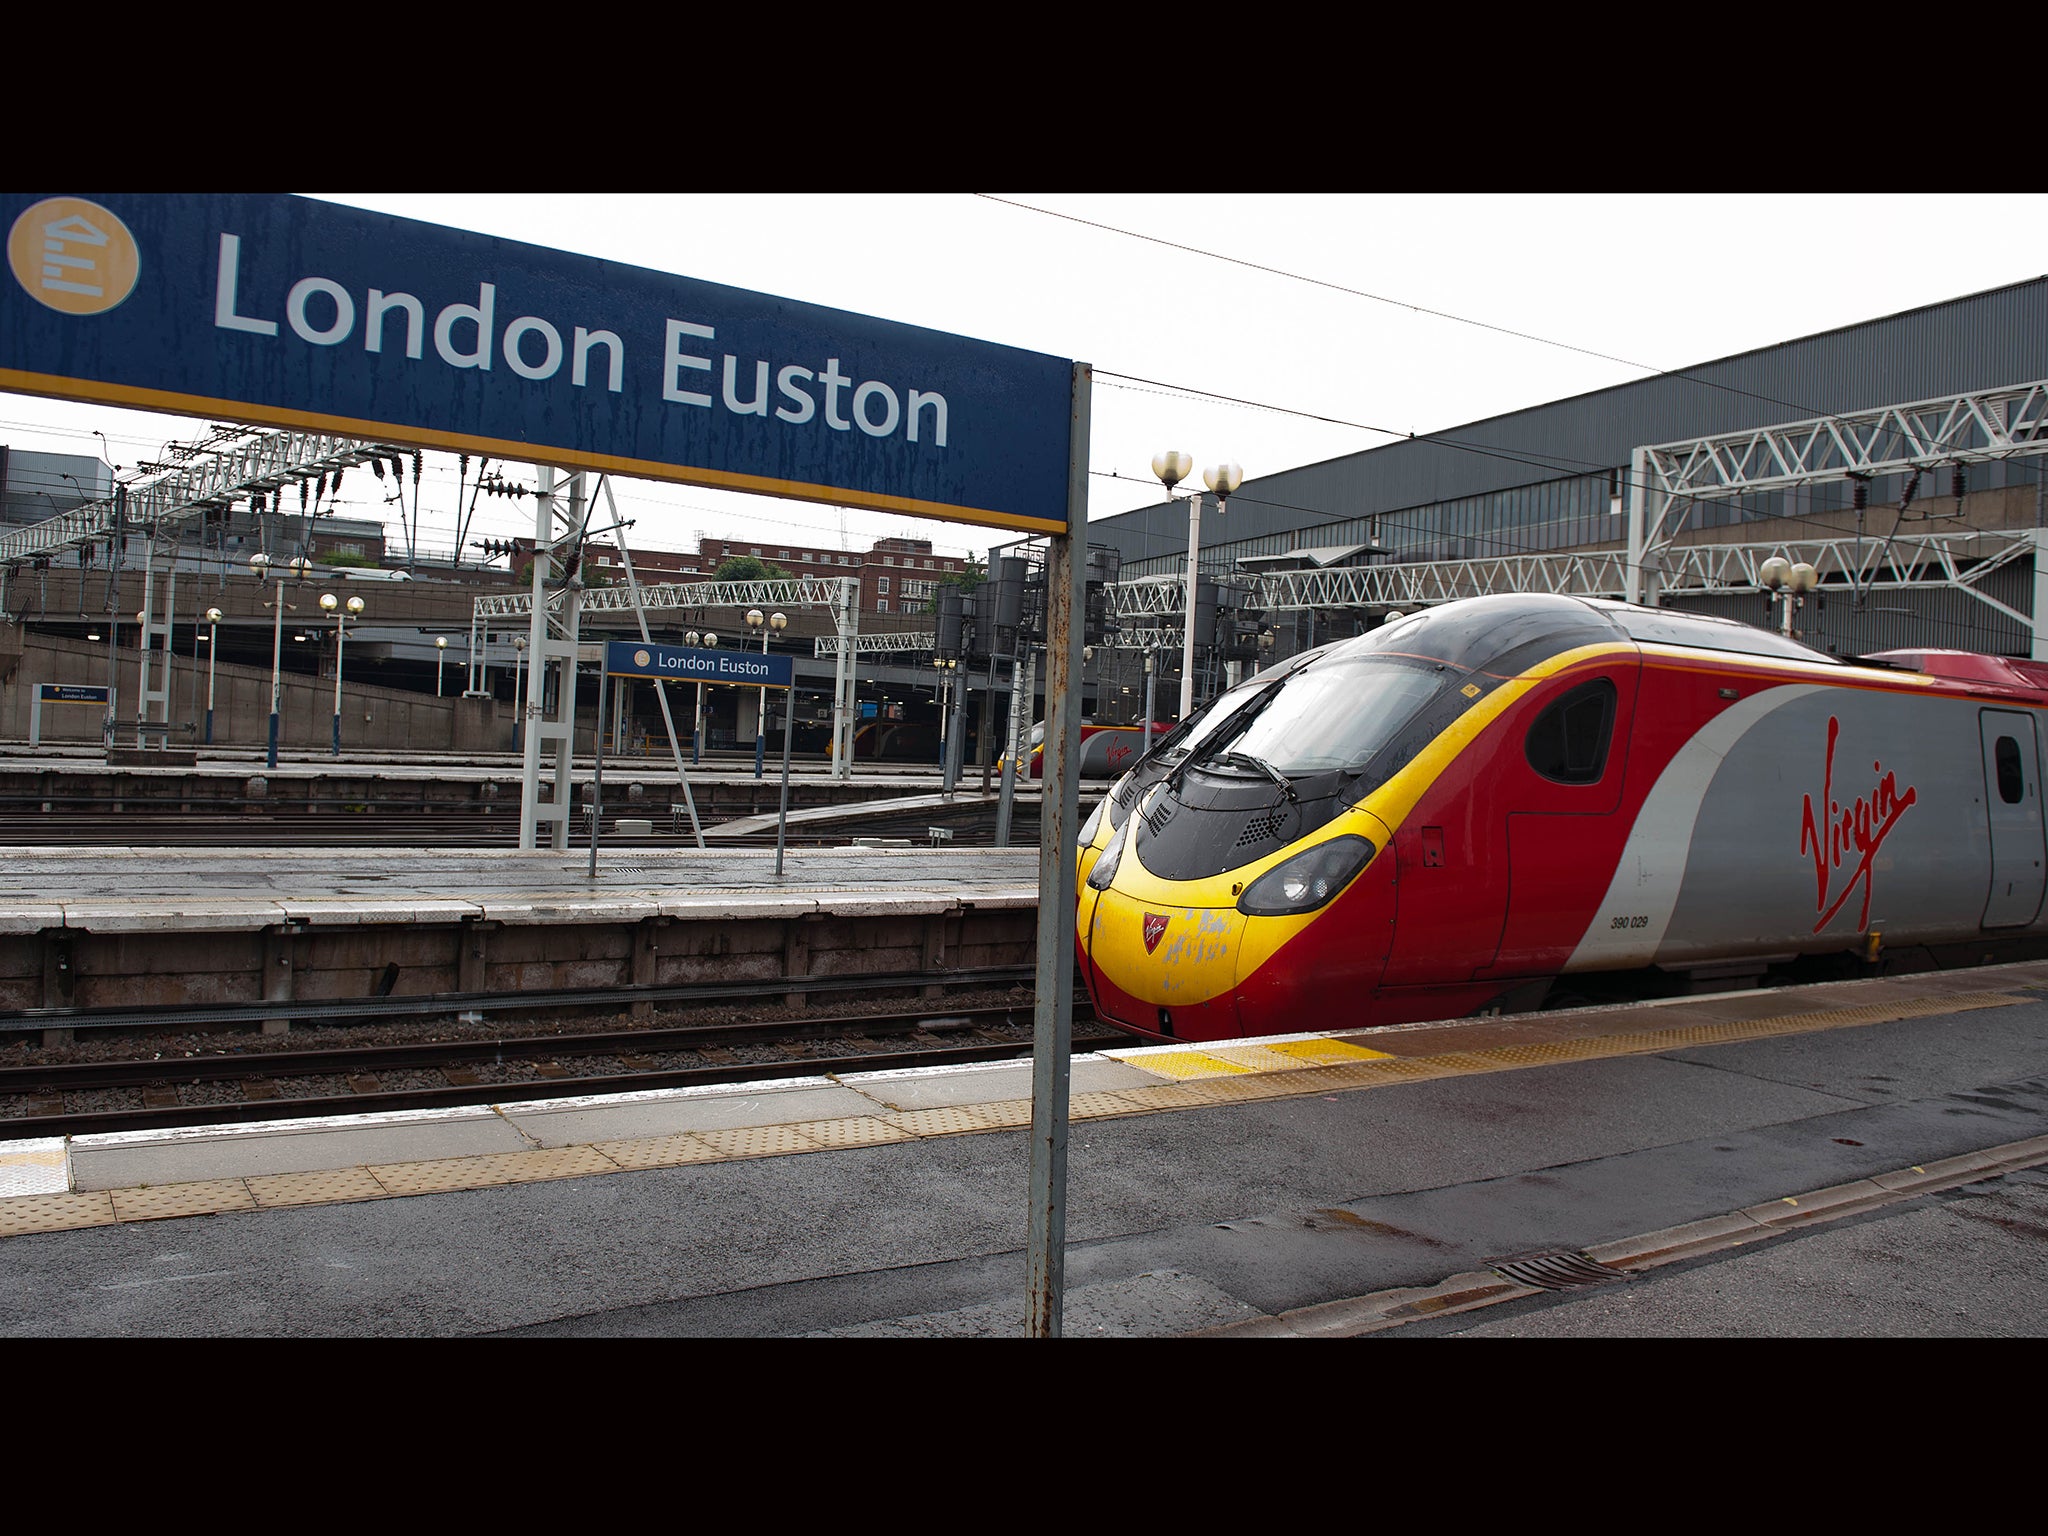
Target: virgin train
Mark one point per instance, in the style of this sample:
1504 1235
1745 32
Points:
1106 750
1513 802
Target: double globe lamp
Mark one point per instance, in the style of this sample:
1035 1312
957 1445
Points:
1172 467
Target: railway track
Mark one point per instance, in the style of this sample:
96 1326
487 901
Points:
442 829
245 1083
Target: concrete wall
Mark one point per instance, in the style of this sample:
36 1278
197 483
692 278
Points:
69 968
372 718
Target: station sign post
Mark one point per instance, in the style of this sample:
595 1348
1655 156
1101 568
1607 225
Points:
288 311
653 660
62 693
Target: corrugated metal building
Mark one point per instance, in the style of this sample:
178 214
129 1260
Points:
1551 477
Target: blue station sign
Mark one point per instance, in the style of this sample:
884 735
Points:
291 312
72 693
641 658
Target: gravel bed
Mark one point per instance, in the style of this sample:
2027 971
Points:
322 1086
99 1101
410 1082
212 1093
501 1071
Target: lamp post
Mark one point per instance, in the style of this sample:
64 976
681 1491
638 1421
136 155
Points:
709 640
142 676
329 603
440 655
518 699
262 565
775 622
1172 467
213 618
947 669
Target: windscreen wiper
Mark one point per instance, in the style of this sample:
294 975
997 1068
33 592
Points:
1228 729
1263 766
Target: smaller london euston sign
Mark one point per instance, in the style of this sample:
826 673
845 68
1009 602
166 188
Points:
286 311
650 658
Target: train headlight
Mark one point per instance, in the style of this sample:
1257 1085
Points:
1306 881
1105 867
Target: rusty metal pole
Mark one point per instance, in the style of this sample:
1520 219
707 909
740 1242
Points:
1066 572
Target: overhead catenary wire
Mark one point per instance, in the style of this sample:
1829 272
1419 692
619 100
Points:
1378 298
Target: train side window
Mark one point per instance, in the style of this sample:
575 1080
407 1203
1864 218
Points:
1568 742
2012 783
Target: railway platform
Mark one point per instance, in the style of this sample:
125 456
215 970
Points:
84 928
81 783
1865 1158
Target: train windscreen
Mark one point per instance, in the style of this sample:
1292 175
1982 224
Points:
1331 718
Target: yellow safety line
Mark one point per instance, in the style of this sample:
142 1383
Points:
1190 1079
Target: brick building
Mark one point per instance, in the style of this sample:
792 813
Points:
896 575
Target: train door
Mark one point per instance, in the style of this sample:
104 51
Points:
1560 832
2012 785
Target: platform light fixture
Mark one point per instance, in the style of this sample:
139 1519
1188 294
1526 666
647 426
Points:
213 618
710 642
353 609
263 567
775 623
518 698
1788 583
1172 467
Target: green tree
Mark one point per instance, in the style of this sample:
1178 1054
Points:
968 577
748 568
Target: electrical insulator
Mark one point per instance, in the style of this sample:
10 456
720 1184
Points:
1955 482
1861 497
377 468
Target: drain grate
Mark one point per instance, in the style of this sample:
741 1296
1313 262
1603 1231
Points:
1559 1271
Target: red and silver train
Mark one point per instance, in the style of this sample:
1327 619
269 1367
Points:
1505 800
1106 750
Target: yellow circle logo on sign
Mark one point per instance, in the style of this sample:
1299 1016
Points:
641 658
73 256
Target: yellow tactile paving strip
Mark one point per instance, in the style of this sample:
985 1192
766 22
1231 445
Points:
1192 1079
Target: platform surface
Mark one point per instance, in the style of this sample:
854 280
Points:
1871 1157
114 889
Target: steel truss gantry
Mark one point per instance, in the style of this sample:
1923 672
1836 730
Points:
236 465
823 591
1666 479
1959 558
876 645
216 477
1977 427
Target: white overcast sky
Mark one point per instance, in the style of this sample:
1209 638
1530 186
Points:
1657 281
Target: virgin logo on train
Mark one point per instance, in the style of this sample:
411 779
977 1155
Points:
1155 930
1860 827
